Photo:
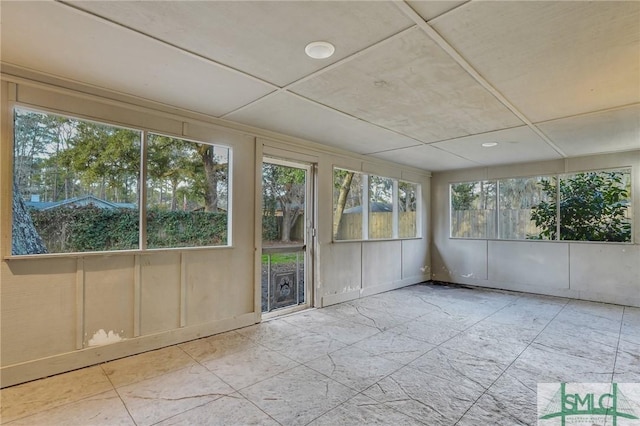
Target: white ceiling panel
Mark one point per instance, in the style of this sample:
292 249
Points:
289 114
408 84
76 46
426 157
551 59
515 145
390 90
609 131
263 38
430 9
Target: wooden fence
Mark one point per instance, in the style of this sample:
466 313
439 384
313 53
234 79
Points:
380 225
514 224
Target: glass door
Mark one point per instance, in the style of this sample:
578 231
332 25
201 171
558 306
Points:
287 224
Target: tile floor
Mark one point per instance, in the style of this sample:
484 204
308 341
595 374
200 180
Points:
424 354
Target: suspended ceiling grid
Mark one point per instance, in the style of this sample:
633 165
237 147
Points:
421 83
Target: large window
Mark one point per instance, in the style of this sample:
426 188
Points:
584 206
76 188
347 205
380 207
75 185
594 206
187 186
517 200
473 210
407 209
391 207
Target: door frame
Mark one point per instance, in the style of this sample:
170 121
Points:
310 217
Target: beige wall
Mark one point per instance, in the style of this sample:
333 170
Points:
54 309
61 312
352 269
347 270
606 272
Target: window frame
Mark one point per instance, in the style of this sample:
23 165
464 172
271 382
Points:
557 177
394 208
418 228
142 185
144 162
496 219
365 205
499 206
568 174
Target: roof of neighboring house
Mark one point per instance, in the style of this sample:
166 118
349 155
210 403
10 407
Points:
376 207
83 200
40 205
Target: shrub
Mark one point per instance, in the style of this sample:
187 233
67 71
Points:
593 207
89 228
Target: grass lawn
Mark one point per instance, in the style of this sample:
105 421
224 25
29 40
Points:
281 258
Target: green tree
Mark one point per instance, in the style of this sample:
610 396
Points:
215 174
520 193
407 193
57 179
35 137
286 185
270 228
171 162
463 196
593 207
106 160
380 190
195 172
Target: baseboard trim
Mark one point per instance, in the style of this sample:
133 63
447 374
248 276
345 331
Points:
568 293
381 288
332 299
44 367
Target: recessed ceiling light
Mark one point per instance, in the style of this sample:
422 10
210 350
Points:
319 49
489 144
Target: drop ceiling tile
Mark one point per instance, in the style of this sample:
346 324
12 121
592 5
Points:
289 114
67 43
552 59
516 145
408 84
262 38
430 9
426 157
609 131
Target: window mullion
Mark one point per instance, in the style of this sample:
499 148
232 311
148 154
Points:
558 177
143 191
497 210
365 206
395 210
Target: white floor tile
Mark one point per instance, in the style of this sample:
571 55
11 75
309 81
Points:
425 354
297 396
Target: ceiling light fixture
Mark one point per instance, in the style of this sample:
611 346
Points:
489 144
319 49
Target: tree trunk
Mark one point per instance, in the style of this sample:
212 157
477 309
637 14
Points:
174 196
211 172
289 218
286 229
26 239
292 204
342 201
